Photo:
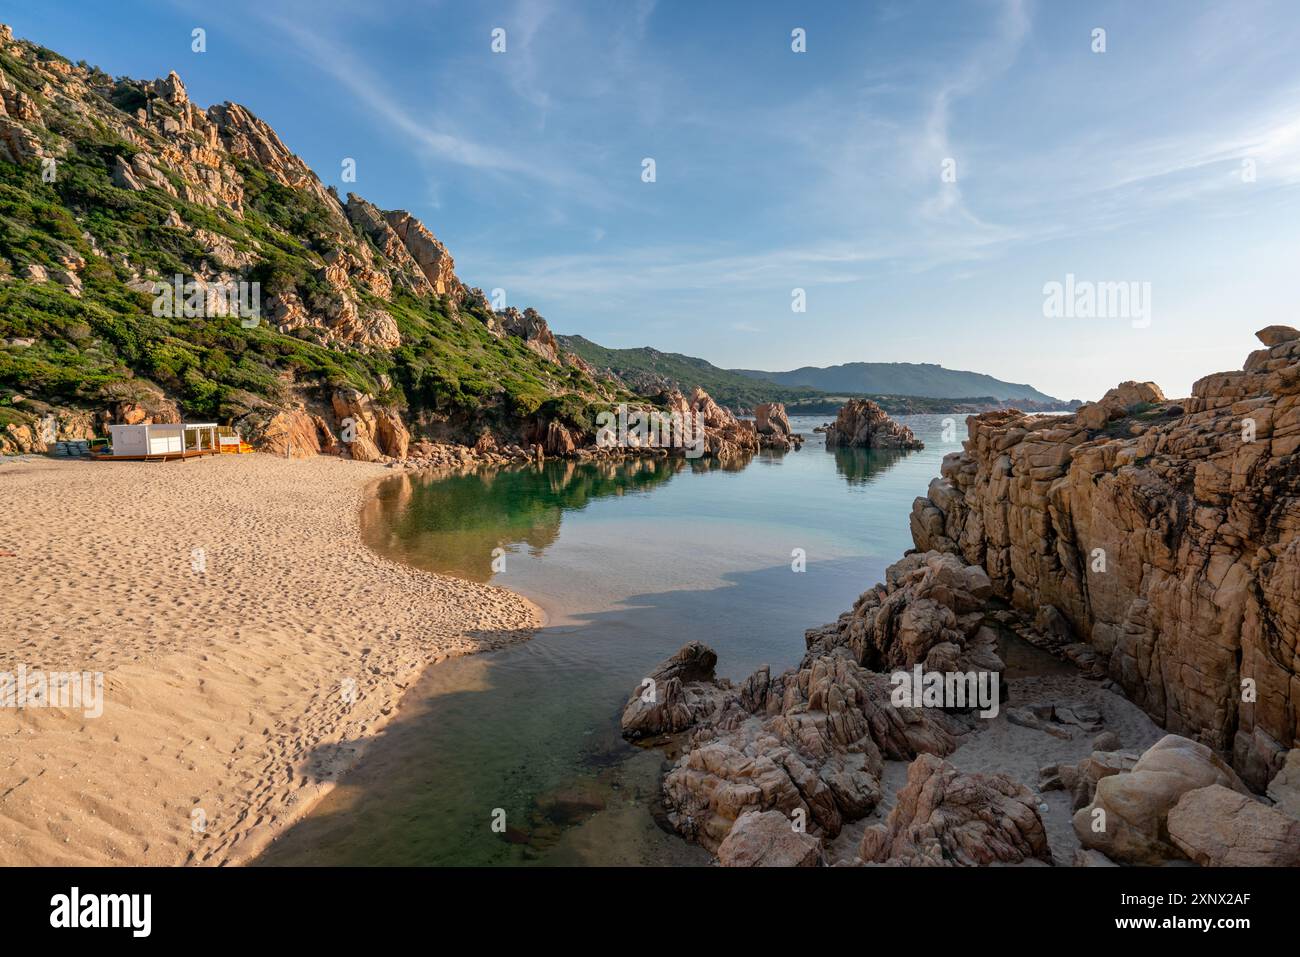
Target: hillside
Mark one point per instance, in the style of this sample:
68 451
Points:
900 378
116 192
160 261
647 371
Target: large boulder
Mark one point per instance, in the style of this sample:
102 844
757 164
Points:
296 433
946 817
1284 789
1127 819
1220 827
1277 335
556 438
773 427
715 784
768 839
770 419
367 429
676 694
1128 395
532 329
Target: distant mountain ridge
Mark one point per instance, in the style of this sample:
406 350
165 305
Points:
899 387
646 370
901 378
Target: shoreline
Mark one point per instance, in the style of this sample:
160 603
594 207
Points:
187 584
540 614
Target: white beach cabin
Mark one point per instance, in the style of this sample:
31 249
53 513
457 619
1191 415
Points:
163 440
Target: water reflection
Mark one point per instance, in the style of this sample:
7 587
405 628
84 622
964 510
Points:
533 729
864 466
474 513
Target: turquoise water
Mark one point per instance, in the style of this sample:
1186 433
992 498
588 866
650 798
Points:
629 561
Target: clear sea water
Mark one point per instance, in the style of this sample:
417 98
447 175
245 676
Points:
629 561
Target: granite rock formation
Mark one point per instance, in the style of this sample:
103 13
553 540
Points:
768 839
809 743
928 611
945 817
1128 817
773 427
864 425
1219 827
1164 534
348 295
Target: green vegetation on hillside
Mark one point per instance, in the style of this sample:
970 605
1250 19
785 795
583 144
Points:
646 370
643 368
105 345
900 378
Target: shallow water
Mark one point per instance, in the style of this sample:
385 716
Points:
629 561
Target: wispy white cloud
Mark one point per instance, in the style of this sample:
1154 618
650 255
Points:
945 207
822 171
675 267
429 133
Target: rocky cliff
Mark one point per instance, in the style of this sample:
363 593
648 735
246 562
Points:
360 324
1162 534
1152 542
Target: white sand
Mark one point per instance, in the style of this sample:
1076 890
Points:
224 688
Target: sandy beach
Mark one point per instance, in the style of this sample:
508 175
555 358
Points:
250 647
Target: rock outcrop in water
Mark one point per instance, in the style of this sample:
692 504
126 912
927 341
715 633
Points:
1165 535
725 436
810 743
773 427
770 419
864 425
676 695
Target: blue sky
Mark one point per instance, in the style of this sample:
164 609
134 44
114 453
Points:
778 170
